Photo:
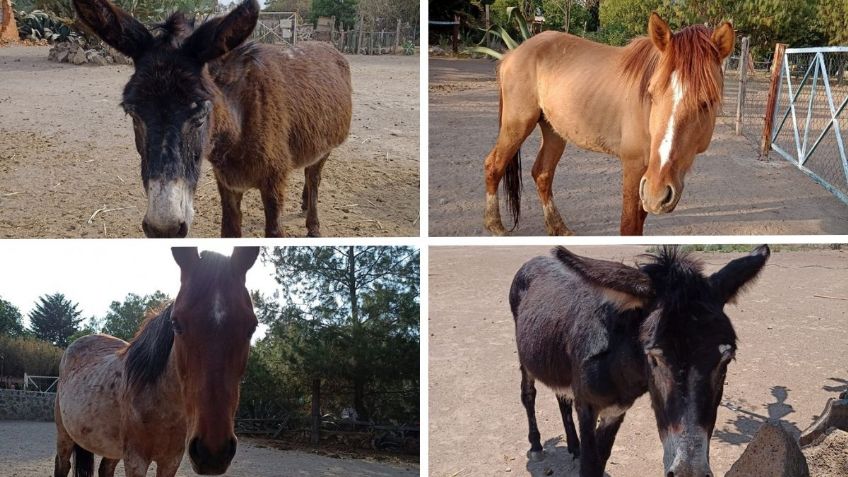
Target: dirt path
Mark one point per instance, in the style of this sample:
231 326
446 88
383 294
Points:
67 150
27 450
728 191
791 359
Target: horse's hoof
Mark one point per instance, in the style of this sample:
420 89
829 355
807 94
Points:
536 456
563 232
313 234
496 229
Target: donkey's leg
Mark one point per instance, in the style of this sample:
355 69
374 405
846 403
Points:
632 214
528 398
310 186
571 439
273 197
107 467
605 436
590 465
64 447
516 124
543 173
230 211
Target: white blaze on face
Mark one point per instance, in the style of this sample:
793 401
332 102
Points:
218 309
668 138
169 203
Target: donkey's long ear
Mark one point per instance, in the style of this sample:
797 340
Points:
220 35
186 257
659 32
724 38
243 258
627 286
739 273
114 26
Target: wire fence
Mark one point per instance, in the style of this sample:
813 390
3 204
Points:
401 40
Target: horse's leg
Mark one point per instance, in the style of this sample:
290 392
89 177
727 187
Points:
528 398
590 465
543 173
310 185
230 211
135 465
107 467
605 435
64 447
168 467
632 214
273 197
571 439
516 125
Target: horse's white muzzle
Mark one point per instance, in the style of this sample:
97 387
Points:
169 209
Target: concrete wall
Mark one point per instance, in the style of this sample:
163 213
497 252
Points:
26 405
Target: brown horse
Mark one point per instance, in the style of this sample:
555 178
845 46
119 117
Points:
652 103
176 384
256 112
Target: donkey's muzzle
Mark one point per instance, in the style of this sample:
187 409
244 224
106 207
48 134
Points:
179 231
169 208
206 462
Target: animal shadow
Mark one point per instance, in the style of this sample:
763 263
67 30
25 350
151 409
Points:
557 462
747 423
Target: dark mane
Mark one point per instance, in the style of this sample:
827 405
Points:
149 350
683 292
690 53
174 30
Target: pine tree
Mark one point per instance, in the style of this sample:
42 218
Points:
55 319
11 321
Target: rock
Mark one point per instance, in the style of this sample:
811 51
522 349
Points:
772 453
62 56
98 60
78 57
828 455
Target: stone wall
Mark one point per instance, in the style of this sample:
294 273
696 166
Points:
26 405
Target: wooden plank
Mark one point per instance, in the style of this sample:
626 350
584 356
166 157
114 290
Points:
768 124
743 84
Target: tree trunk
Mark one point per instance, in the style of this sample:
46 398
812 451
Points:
316 411
359 400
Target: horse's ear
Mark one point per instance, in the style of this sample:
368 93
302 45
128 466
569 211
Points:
739 273
244 257
659 32
626 286
114 26
220 35
724 38
186 257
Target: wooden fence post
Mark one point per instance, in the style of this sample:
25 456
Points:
397 38
316 411
743 84
768 124
455 35
361 31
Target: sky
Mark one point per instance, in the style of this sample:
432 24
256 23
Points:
93 273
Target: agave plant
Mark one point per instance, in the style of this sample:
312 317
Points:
40 25
503 34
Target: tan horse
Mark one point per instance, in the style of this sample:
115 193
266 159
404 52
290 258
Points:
652 103
176 384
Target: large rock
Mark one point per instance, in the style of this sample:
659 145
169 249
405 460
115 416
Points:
828 455
772 453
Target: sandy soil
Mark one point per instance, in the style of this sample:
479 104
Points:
791 359
27 449
67 150
728 191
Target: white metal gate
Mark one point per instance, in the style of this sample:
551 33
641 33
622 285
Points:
809 124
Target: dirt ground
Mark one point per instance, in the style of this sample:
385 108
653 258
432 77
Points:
27 449
728 191
67 150
793 339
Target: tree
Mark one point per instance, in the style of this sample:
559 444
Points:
54 319
124 318
343 10
832 15
351 317
11 321
301 7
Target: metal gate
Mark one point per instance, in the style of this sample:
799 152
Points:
276 27
809 124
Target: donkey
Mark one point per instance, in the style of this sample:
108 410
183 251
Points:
255 112
652 103
176 384
601 334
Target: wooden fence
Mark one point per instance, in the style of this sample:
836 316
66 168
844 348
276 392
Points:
368 41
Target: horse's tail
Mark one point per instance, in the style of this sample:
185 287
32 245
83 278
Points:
83 462
512 174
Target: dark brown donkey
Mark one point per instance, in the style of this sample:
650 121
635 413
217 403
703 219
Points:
256 112
601 334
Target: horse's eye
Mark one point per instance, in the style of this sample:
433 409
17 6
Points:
176 325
